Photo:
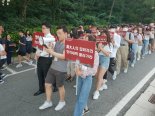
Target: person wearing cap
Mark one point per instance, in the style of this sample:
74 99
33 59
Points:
44 59
123 51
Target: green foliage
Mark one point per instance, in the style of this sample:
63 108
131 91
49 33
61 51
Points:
29 14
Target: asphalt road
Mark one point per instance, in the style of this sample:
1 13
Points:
16 94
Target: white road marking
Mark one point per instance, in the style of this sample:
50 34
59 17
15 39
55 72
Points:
11 70
120 105
28 63
35 65
8 75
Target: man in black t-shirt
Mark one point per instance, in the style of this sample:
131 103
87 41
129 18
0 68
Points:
22 50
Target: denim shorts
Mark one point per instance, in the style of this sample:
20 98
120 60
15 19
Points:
104 62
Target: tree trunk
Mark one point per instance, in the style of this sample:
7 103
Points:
24 10
111 10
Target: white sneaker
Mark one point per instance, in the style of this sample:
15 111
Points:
105 80
118 73
149 51
103 87
125 70
114 76
96 95
19 65
3 67
45 105
132 65
30 62
138 59
1 81
60 106
3 76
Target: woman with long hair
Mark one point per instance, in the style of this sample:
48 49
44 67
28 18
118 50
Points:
104 59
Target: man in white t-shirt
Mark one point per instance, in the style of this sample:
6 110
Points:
44 59
2 62
2 56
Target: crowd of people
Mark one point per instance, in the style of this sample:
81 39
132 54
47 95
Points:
124 46
9 48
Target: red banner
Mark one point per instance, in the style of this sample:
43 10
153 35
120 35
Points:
80 50
101 39
35 40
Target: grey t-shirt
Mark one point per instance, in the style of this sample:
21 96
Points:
58 64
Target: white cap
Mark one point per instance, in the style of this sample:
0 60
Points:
125 29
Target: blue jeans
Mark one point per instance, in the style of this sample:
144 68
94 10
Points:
145 47
104 62
135 50
84 87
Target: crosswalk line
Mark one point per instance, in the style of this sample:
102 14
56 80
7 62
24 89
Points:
11 70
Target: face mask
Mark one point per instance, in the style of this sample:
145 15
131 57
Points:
135 31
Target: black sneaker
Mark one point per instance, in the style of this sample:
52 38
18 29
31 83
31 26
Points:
85 111
1 81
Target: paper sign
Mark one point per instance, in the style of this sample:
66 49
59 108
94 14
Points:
80 50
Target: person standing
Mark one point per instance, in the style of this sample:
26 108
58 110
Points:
116 39
2 62
22 50
85 74
104 59
57 71
28 44
10 45
151 41
140 43
135 46
2 40
44 59
145 48
123 51
2 57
